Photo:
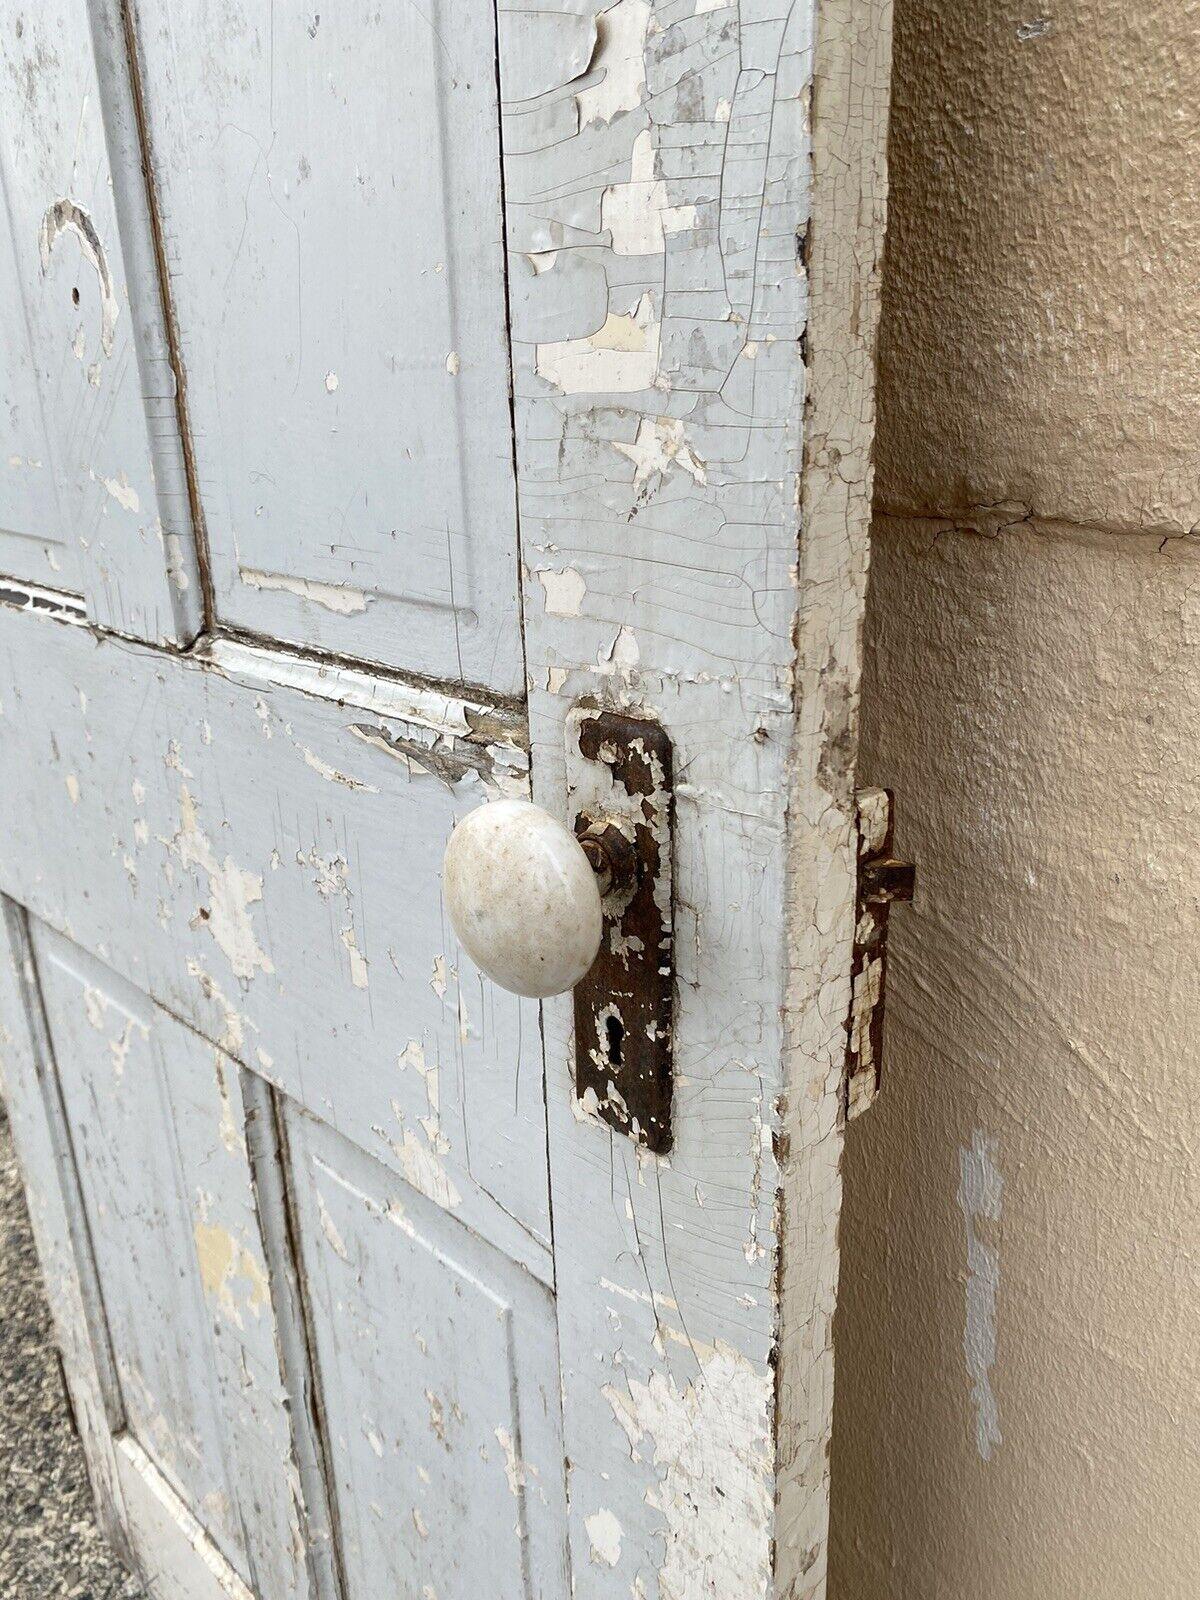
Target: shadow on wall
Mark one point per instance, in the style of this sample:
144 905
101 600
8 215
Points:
1018 1391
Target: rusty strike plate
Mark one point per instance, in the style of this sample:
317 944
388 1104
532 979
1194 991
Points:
622 802
882 880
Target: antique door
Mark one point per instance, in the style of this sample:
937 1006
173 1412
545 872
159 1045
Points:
385 389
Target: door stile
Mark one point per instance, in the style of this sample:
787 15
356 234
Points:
843 257
656 182
29 1079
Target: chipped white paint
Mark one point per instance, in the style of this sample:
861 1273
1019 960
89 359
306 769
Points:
661 444
636 213
620 658
230 1131
516 1470
119 1047
340 598
980 1197
564 590
233 1028
358 962
711 1444
333 774
620 61
232 891
604 1535
425 716
329 873
95 1004
65 216
330 1230
177 562
230 1274
619 357
122 491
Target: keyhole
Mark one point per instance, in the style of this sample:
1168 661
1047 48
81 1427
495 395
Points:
614 1040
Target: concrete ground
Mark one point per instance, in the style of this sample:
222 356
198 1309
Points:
50 1546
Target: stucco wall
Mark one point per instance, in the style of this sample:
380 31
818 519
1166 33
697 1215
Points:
1030 1172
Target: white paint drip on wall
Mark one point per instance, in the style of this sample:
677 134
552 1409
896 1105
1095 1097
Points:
335 597
621 357
980 1193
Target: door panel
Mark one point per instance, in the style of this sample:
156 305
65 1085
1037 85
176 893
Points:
156 1122
92 497
177 1553
264 861
438 1370
36 544
330 192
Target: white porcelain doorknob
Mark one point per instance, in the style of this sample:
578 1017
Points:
522 898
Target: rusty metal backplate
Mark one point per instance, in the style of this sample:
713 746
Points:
882 882
619 773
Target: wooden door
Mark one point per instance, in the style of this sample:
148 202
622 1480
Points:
379 384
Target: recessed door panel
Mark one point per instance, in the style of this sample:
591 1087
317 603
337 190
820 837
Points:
92 498
437 1364
330 192
157 1129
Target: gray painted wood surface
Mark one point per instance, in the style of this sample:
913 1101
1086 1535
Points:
156 1123
330 192
92 460
625 1381
437 1359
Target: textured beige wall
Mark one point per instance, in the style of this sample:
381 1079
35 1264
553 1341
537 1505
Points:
1043 338
1033 695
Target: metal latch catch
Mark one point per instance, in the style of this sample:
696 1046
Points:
882 881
